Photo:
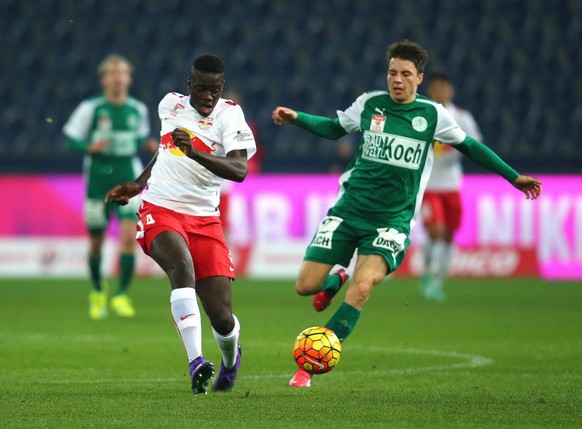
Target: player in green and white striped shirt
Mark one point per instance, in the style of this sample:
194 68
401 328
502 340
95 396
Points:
381 189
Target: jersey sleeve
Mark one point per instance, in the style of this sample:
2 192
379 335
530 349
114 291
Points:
485 157
79 123
447 130
143 131
320 126
237 135
350 118
164 109
469 125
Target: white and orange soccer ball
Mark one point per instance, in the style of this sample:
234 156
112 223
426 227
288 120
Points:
317 350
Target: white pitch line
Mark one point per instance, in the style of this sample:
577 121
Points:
467 361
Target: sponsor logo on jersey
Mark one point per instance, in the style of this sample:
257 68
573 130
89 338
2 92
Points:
392 149
324 233
242 136
419 124
377 123
205 123
167 142
390 239
174 112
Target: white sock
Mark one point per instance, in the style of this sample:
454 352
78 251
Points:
427 259
186 316
228 344
444 261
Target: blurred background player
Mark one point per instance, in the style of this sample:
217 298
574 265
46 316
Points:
204 140
110 128
441 207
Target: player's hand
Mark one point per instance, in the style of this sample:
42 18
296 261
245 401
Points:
284 115
122 193
530 186
98 146
182 141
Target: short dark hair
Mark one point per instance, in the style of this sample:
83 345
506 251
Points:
408 50
208 63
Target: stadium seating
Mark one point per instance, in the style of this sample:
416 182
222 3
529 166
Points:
514 64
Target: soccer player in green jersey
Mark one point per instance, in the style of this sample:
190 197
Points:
110 128
381 189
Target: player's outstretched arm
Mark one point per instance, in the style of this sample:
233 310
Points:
284 115
122 193
530 186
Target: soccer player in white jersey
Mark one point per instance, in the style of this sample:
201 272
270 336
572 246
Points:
381 189
204 140
441 207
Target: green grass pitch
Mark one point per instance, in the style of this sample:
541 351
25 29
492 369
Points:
503 353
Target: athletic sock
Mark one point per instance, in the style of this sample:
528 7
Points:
228 344
443 263
95 271
430 256
126 267
331 284
186 316
343 321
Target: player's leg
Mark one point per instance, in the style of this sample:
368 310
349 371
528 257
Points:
121 302
216 296
315 279
214 275
170 250
433 214
332 244
161 235
96 220
452 220
369 271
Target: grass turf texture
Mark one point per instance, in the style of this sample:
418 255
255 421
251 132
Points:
499 353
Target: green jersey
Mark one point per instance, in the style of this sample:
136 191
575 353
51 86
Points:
385 182
125 127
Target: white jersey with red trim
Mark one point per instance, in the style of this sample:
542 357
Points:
180 183
447 170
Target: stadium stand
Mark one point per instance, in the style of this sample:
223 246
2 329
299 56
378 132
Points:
513 62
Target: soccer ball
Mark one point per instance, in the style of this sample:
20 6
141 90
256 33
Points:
317 350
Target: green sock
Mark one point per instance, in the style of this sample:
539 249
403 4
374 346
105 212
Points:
343 321
126 267
331 284
95 271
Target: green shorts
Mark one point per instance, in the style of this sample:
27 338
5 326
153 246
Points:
97 213
337 238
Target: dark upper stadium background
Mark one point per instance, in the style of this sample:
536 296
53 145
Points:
516 66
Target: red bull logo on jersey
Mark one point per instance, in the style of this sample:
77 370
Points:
168 143
392 149
205 123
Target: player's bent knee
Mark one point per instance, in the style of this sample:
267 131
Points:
359 293
305 288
